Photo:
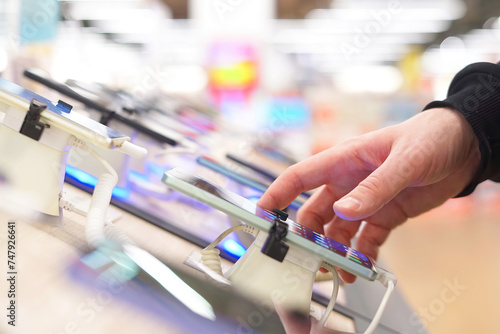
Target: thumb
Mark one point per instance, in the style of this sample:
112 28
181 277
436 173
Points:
381 186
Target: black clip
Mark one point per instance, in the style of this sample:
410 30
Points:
106 118
274 246
32 127
282 215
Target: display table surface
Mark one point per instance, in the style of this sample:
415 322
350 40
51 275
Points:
49 301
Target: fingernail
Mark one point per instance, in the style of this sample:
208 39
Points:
348 203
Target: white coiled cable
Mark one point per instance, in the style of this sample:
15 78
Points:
96 216
210 256
97 229
110 230
115 234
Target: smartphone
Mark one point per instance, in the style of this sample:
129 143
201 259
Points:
251 165
107 114
244 161
303 237
12 95
240 178
230 173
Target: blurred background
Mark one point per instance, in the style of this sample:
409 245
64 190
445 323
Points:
308 73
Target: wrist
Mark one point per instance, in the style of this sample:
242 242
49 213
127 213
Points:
466 153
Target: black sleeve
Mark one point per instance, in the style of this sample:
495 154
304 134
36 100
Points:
475 92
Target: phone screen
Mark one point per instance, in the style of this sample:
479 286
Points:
320 239
240 178
305 232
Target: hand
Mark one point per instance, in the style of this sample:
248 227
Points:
382 178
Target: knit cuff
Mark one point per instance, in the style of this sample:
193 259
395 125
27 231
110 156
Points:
475 93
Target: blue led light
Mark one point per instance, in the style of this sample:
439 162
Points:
81 176
233 248
121 193
156 168
253 199
136 175
90 181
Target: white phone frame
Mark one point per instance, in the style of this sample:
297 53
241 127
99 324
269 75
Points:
246 211
19 99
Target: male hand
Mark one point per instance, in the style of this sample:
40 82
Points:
382 177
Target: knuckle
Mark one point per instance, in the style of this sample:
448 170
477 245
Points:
373 185
354 147
293 177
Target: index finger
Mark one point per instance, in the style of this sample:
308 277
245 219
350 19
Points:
303 176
